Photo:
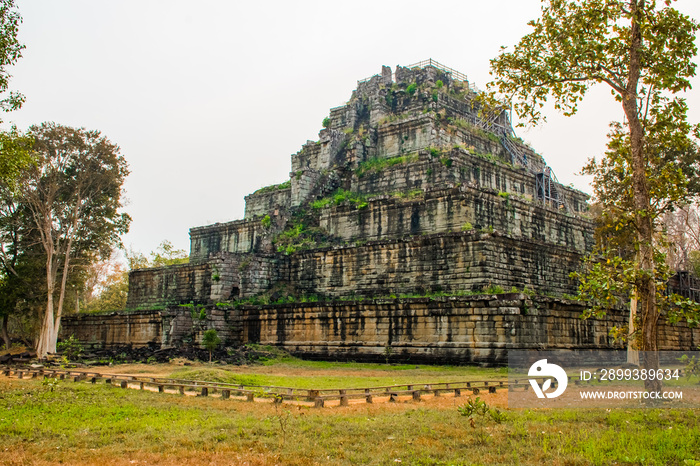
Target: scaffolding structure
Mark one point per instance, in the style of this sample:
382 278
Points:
686 284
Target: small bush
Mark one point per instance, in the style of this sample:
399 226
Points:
321 203
411 89
439 84
266 221
71 348
494 289
326 122
471 407
467 226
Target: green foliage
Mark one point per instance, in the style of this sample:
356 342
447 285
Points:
266 221
572 47
471 407
439 84
692 366
376 165
694 259
467 226
478 407
275 187
388 351
113 294
321 203
71 348
411 89
644 53
302 232
211 341
10 52
608 280
50 383
435 96
326 122
76 182
494 289
166 254
389 98
446 161
15 156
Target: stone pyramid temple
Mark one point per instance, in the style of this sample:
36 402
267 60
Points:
417 221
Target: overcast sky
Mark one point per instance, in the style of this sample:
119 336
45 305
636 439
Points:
207 100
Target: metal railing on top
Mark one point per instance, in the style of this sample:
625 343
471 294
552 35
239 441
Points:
430 62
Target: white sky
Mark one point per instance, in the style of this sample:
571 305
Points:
209 99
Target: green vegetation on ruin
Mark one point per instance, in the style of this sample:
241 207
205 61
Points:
376 165
284 297
275 187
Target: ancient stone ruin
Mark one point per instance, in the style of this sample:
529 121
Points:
417 226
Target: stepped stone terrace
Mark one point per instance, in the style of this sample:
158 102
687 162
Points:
401 227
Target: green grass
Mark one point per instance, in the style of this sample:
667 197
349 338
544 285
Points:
80 422
376 165
320 374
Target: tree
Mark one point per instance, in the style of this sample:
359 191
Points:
72 196
683 232
211 341
644 54
10 52
108 284
15 156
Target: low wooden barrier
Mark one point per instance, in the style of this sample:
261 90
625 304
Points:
278 394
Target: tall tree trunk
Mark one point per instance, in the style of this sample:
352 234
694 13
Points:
632 349
645 283
5 334
66 265
47 338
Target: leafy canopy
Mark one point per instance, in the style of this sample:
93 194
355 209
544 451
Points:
10 52
576 44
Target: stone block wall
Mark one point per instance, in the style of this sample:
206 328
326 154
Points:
175 284
240 236
463 330
172 326
267 202
442 262
430 173
452 211
141 328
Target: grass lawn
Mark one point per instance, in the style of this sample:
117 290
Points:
81 423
